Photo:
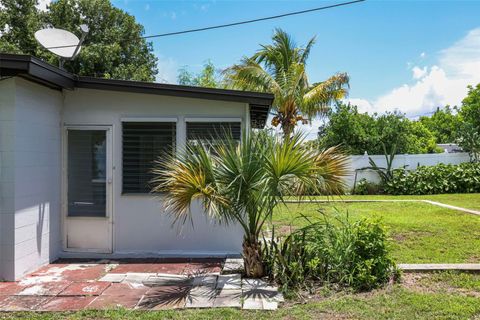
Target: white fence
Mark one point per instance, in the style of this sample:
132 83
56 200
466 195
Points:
409 161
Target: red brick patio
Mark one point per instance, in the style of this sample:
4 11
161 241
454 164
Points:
76 285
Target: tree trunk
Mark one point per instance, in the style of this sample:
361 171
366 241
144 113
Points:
252 257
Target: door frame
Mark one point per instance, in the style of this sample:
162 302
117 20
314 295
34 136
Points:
109 187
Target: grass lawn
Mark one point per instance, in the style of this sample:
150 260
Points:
419 296
464 200
420 232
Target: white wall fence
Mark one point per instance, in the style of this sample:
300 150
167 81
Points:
410 161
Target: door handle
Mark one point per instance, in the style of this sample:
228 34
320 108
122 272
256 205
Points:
109 180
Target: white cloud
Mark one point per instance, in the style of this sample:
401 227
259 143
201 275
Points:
167 69
418 72
42 4
423 55
362 104
438 85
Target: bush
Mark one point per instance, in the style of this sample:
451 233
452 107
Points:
342 253
365 187
441 178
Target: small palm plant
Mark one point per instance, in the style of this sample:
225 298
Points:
243 182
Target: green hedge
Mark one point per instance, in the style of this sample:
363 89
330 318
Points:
441 178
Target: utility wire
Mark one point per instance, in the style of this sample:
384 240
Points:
237 23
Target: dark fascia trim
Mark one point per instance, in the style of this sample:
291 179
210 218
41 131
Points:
36 70
31 67
175 90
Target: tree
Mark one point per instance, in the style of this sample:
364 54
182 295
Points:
19 19
469 140
355 131
470 110
359 132
209 77
114 47
443 124
279 68
243 183
469 130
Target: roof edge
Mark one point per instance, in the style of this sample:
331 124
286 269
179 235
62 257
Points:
26 65
44 73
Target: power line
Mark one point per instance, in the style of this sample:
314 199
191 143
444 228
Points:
237 23
253 20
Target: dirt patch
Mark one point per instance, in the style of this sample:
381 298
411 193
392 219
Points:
425 283
411 235
473 259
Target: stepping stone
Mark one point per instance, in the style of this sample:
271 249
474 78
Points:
135 277
229 282
85 289
45 289
250 284
252 303
201 297
233 265
126 289
270 305
113 277
258 294
259 299
22 303
206 280
159 298
66 303
11 288
167 280
228 299
111 302
440 267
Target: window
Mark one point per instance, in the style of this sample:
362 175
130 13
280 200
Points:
213 130
87 173
143 144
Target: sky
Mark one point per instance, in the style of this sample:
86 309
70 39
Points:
411 56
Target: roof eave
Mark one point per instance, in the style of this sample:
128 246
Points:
36 70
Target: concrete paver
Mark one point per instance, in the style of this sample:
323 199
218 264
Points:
22 303
66 303
205 280
147 286
113 277
229 281
228 298
201 297
45 289
85 288
164 297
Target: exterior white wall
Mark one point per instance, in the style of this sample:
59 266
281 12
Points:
141 226
7 141
33 177
410 161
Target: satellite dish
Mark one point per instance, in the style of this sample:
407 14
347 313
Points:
58 41
61 42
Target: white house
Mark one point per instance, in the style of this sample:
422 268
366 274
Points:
75 160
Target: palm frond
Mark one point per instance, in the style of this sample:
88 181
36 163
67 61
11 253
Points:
249 75
317 99
332 167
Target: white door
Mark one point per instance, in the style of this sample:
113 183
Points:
88 189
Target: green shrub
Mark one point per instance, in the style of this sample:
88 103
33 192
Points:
335 252
441 178
365 187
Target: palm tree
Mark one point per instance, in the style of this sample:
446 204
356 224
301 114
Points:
243 182
279 68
